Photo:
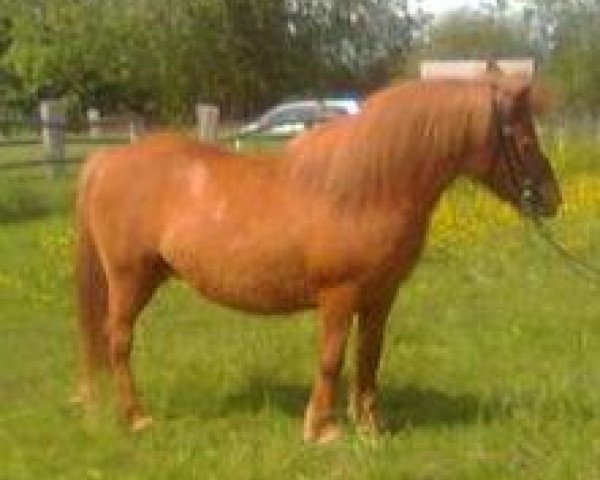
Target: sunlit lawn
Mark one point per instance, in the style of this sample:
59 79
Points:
491 367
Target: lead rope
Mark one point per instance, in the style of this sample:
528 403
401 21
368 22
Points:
528 201
577 264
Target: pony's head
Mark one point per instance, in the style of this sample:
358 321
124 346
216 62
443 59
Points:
514 166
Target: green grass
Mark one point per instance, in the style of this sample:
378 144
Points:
491 370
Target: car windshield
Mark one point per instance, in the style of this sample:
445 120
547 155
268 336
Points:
293 117
292 114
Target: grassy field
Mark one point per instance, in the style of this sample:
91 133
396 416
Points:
491 367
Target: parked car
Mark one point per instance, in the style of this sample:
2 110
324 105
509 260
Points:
290 118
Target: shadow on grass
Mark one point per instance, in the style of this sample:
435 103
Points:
414 406
264 393
401 407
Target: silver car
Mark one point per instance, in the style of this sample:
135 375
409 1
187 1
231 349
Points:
290 118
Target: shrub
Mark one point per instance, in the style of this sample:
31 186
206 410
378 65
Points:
24 198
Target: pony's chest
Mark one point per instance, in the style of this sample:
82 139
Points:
367 249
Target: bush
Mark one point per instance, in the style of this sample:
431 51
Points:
23 198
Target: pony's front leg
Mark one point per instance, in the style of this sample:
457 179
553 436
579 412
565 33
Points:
362 405
335 311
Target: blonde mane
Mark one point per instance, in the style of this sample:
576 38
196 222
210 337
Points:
402 132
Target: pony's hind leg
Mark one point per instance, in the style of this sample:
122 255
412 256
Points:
129 291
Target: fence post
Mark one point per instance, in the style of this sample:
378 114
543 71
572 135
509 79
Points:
3 119
93 116
207 117
53 124
136 128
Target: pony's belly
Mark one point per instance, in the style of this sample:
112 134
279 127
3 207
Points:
258 285
256 295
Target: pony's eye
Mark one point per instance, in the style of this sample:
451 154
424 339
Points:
527 143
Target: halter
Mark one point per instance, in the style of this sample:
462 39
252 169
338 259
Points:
521 181
524 187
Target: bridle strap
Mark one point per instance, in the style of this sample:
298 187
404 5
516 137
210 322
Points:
515 167
523 186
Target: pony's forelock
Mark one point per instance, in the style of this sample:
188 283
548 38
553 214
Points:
535 93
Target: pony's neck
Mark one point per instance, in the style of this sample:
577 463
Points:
429 183
406 144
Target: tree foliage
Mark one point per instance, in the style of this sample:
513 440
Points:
476 34
570 31
486 33
562 36
162 57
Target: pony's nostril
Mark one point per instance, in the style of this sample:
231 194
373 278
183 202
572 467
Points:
551 197
551 191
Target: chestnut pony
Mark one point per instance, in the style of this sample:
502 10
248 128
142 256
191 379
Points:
334 222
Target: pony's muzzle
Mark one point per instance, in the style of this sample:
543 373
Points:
548 199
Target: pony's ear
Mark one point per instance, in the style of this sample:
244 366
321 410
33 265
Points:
541 100
510 95
514 93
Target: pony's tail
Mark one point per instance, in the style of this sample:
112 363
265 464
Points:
92 293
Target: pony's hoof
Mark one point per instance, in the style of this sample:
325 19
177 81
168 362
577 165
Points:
141 423
82 395
363 412
370 429
370 425
328 433
77 399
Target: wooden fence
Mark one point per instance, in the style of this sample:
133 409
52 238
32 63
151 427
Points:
51 131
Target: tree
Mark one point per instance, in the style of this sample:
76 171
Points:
360 41
161 57
471 34
569 31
